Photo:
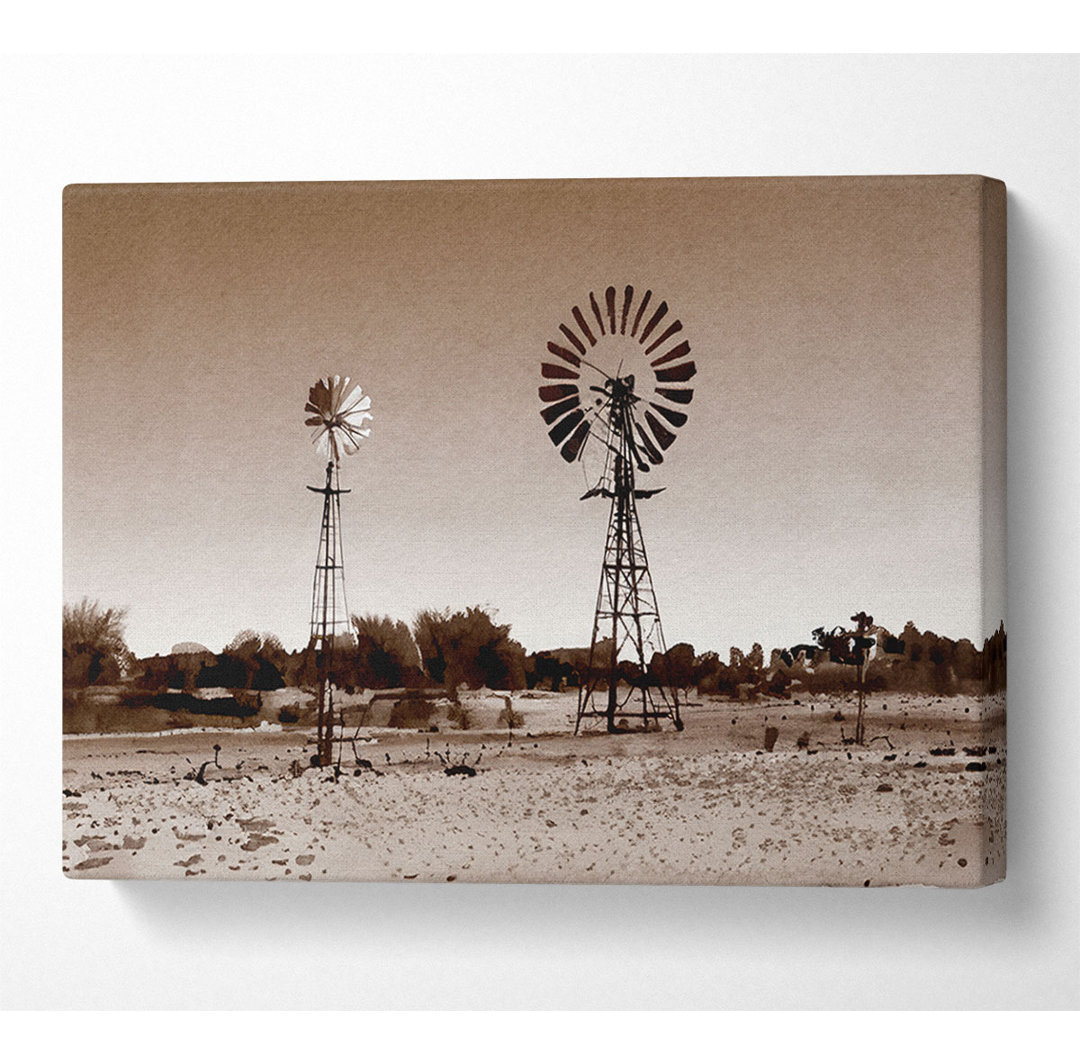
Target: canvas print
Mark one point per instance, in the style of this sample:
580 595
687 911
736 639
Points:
583 531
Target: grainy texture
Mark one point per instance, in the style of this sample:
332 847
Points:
707 805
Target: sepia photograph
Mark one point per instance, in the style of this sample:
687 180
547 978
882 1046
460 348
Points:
535 531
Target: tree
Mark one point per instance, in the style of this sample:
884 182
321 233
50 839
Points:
386 654
249 662
467 646
676 667
93 644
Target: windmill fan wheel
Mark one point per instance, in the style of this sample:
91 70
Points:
338 415
621 341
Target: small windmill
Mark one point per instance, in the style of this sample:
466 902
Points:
338 411
639 368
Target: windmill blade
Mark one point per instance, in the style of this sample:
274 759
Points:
356 401
664 436
681 372
609 297
556 410
641 310
352 436
596 313
628 298
583 325
549 393
323 441
562 429
650 448
553 372
563 353
672 417
677 395
653 321
676 352
573 446
671 330
573 338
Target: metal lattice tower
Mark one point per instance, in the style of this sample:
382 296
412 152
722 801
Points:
329 609
627 617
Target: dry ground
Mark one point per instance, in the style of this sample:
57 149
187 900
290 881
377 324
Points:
923 802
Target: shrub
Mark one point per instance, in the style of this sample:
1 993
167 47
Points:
469 647
411 713
94 650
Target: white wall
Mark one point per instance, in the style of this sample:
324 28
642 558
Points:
180 945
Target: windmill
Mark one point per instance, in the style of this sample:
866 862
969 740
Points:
620 377
338 411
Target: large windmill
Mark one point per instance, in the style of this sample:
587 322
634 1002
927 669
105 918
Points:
621 379
338 414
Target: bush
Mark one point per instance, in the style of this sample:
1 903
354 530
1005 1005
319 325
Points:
411 713
94 651
468 647
459 715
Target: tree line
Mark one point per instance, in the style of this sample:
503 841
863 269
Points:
449 648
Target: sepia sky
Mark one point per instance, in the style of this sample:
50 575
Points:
832 460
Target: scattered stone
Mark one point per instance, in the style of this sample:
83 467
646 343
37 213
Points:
92 862
255 841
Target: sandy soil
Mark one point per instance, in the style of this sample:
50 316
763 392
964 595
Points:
923 802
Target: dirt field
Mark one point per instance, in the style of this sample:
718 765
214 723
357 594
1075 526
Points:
923 802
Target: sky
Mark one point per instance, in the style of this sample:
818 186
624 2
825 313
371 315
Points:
833 459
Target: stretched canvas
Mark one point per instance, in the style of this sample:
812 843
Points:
586 531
